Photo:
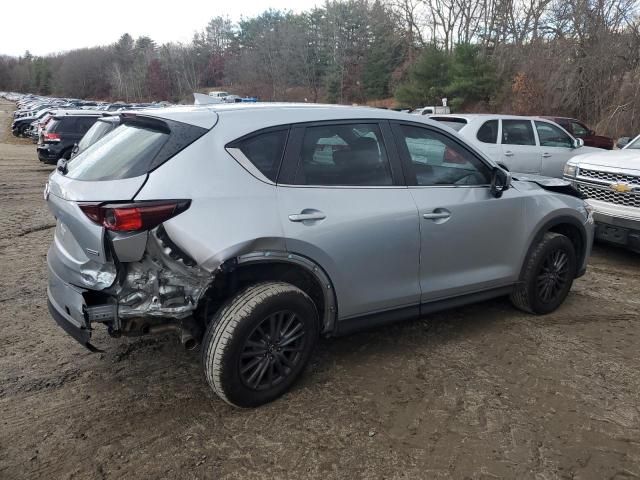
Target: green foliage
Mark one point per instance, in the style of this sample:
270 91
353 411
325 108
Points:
465 77
472 77
428 79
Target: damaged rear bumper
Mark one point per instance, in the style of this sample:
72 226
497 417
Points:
66 306
159 291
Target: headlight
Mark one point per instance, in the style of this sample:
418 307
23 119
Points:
570 170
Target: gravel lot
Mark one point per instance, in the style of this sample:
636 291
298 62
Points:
479 392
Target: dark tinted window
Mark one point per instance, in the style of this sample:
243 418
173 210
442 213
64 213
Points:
552 136
83 124
488 132
579 130
349 154
517 132
265 151
439 160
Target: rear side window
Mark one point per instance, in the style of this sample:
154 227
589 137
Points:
84 123
517 132
347 155
488 132
265 151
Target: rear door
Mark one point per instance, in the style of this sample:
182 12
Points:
556 148
343 203
470 240
519 151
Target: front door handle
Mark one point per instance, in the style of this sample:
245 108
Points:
508 153
302 217
436 215
546 155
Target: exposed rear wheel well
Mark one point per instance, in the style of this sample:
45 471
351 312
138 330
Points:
230 281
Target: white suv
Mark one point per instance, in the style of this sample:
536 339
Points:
522 144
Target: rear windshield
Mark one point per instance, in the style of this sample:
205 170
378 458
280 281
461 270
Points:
127 152
95 133
455 123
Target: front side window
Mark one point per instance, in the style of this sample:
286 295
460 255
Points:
579 130
265 151
517 132
552 136
348 155
488 132
439 160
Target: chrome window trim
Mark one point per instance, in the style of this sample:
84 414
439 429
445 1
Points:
247 164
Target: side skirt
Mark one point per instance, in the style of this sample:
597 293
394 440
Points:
365 322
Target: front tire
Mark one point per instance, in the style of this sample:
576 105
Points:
259 342
548 275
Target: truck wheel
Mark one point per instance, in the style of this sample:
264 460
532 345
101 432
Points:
259 342
548 275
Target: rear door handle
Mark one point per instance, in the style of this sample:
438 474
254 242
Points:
546 155
301 217
508 153
436 215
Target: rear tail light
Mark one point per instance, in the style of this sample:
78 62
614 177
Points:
134 217
51 137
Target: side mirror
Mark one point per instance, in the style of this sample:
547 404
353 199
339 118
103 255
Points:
623 141
500 182
578 142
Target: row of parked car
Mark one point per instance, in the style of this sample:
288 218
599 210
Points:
253 229
57 125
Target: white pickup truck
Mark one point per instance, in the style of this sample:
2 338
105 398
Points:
610 179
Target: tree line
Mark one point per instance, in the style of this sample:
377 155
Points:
567 57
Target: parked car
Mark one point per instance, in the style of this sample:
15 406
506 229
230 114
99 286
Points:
611 181
21 125
98 130
580 130
62 132
530 145
434 109
255 229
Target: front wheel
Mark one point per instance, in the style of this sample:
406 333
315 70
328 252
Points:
548 275
257 344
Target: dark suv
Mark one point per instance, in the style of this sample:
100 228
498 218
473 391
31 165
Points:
62 133
580 130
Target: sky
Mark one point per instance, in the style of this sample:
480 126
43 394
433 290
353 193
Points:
44 27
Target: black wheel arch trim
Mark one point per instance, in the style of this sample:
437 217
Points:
328 322
547 226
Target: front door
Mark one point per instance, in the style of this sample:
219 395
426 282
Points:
556 148
345 207
519 151
470 241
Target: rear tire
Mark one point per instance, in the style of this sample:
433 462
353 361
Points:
259 342
548 275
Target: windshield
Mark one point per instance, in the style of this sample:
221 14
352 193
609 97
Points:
126 152
635 144
95 133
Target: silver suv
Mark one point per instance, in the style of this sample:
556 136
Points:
254 229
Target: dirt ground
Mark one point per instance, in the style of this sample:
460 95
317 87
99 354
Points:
479 392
